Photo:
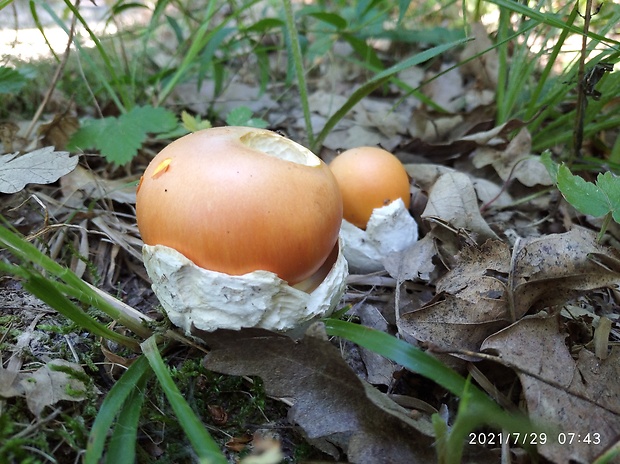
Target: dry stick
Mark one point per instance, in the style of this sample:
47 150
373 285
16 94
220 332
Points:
581 94
52 86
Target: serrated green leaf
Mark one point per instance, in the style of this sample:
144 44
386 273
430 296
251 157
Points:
238 116
585 196
119 139
86 136
242 116
151 120
610 185
194 123
11 81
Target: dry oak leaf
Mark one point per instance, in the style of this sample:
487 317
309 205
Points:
55 381
549 270
330 403
58 132
580 397
515 161
42 166
452 199
470 304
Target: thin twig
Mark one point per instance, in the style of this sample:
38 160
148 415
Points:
55 78
297 57
581 94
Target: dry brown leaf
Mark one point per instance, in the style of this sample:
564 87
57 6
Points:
515 161
58 132
8 134
331 403
413 263
453 323
378 369
580 397
472 301
485 67
549 270
453 200
42 166
86 185
447 90
458 139
55 381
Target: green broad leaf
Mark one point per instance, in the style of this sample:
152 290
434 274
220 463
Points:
610 185
11 81
119 139
85 138
265 25
586 197
242 116
551 166
330 18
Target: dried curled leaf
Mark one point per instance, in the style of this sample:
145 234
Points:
42 166
56 381
331 404
579 397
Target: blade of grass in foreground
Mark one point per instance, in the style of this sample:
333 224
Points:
76 287
424 364
205 447
136 375
122 445
40 287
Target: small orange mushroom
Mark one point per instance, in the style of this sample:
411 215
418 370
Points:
238 199
369 178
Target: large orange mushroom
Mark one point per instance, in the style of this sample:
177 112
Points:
238 199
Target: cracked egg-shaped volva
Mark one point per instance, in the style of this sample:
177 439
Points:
376 195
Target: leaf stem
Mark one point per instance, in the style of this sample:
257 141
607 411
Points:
299 70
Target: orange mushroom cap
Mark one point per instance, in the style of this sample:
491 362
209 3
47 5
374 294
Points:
369 178
239 199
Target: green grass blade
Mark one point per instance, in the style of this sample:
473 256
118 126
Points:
202 442
103 78
40 287
426 365
122 445
300 72
199 40
375 82
28 253
100 49
400 352
137 374
552 20
37 21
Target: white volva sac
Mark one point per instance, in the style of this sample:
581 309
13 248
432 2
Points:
390 229
196 298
